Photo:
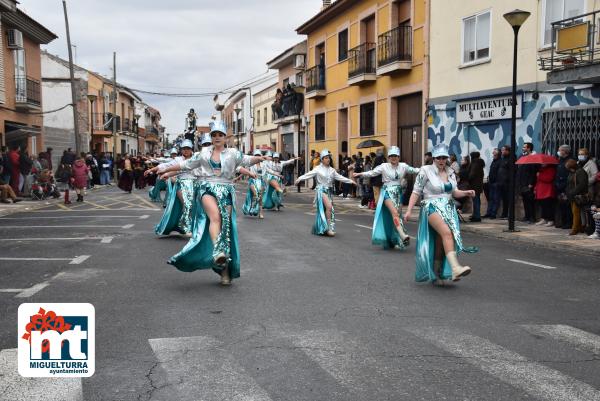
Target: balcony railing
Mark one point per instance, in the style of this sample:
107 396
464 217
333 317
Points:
361 60
109 121
574 43
395 45
315 78
27 91
290 104
127 125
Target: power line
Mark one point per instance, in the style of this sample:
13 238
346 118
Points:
51 111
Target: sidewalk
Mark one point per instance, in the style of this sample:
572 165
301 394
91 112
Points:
545 237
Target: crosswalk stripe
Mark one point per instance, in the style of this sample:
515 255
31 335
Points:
535 379
18 388
579 338
197 368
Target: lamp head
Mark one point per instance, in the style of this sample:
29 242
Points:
517 17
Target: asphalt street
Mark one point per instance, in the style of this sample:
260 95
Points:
311 318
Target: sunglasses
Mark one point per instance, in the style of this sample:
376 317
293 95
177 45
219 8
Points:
441 158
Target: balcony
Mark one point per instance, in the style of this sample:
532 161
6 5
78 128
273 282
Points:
98 121
109 121
127 126
289 107
362 64
574 55
28 95
394 50
315 82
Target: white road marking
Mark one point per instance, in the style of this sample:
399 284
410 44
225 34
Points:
531 264
71 226
127 226
7 290
539 381
79 259
144 217
309 213
199 368
103 240
579 338
360 225
28 292
141 209
17 388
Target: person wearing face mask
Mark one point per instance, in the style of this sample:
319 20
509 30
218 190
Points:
564 217
526 178
589 166
577 190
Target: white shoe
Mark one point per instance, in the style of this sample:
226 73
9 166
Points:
458 271
363 207
541 222
549 224
595 235
225 278
330 233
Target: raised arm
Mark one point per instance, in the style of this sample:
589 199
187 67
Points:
341 178
411 169
290 161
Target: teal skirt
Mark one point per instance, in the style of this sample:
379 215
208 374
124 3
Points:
199 252
187 186
384 230
172 213
155 191
252 205
271 198
321 225
427 236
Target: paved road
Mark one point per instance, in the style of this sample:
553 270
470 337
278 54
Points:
312 318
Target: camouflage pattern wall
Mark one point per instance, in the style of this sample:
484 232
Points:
484 136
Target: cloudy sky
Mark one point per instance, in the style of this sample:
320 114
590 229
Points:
176 46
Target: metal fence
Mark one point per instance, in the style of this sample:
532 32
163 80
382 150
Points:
361 60
395 45
578 127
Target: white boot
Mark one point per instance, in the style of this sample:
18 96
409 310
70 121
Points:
458 271
225 278
403 235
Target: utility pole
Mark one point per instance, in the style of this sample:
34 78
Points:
73 89
114 115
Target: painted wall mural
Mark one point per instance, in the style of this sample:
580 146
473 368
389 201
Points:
484 136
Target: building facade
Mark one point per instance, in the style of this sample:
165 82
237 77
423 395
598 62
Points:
366 75
471 78
21 123
288 104
265 135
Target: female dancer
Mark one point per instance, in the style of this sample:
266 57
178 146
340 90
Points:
388 228
214 243
274 181
253 204
439 231
325 175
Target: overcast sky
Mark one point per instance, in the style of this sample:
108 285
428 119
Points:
176 46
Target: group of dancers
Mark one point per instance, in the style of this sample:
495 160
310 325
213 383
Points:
200 204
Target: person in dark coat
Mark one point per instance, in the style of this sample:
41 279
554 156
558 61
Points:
476 174
503 178
494 198
45 159
526 177
577 185
564 218
376 182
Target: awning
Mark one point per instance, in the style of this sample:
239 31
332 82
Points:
16 132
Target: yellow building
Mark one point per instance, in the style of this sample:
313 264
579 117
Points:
265 130
365 76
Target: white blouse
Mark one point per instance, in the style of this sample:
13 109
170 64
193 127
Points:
325 176
429 184
391 175
277 168
230 160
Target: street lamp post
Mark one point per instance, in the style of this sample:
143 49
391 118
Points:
92 99
515 18
237 125
137 131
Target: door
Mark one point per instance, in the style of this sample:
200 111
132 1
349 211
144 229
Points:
410 132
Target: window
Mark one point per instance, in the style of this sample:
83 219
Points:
20 75
476 38
300 79
343 45
286 82
556 10
265 116
258 118
367 119
320 127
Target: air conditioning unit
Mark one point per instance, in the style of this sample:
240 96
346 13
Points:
15 39
299 61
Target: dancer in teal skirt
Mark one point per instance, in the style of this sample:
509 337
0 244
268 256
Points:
388 228
439 239
254 195
325 213
214 242
272 198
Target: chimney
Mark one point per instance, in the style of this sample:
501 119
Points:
326 3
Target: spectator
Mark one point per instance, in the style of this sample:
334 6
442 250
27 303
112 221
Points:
503 178
6 193
5 166
590 167
564 218
346 162
454 164
45 159
545 193
577 190
316 160
301 167
80 177
377 182
367 192
595 209
14 158
428 159
526 174
63 178
25 166
494 194
476 174
105 168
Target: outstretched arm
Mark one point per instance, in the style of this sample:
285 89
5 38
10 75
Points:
306 176
341 178
371 173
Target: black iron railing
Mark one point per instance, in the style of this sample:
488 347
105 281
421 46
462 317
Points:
361 60
584 36
395 45
315 78
28 91
109 121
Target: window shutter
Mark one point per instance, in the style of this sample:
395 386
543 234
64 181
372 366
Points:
2 84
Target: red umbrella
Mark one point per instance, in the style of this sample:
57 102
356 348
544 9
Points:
538 158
